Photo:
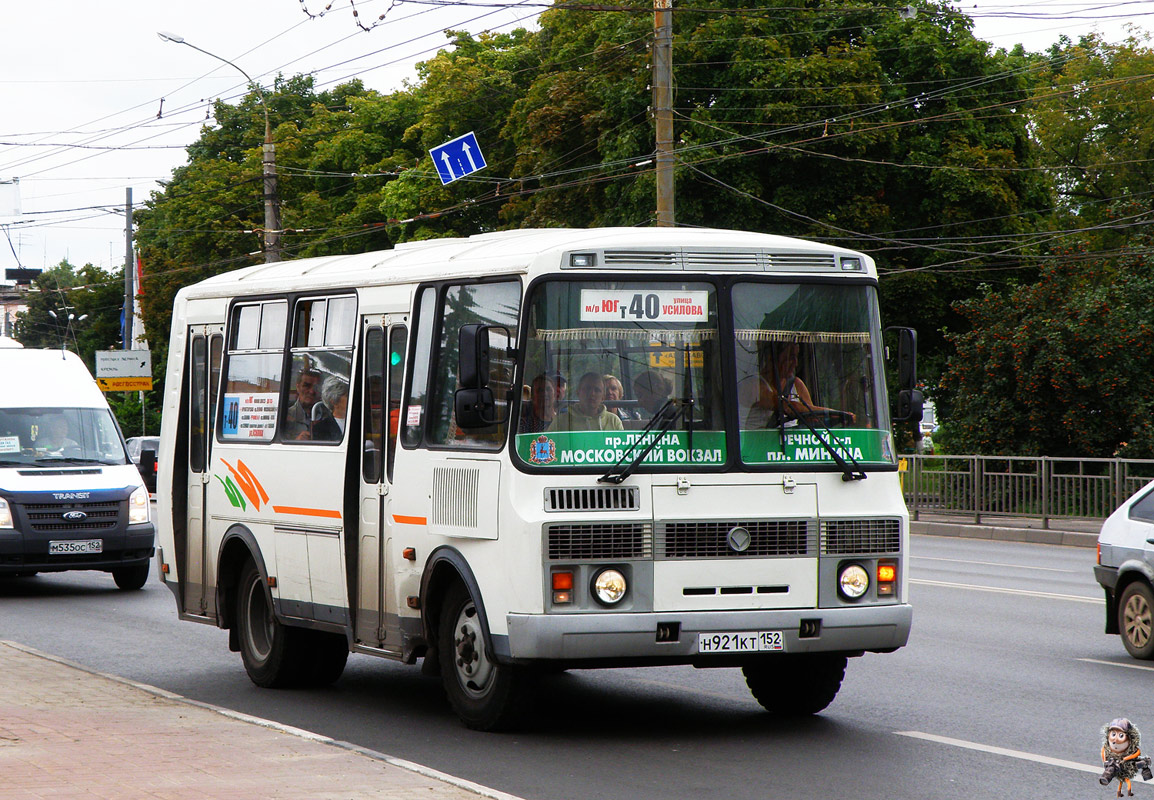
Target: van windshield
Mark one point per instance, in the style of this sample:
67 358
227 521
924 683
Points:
59 435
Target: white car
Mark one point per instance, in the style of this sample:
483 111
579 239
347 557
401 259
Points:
1125 570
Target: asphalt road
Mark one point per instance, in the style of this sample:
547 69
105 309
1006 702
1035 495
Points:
1002 691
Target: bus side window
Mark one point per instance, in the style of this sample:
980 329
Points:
374 405
255 359
419 375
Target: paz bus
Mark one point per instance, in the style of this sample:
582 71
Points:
538 450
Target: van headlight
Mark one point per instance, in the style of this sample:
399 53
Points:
6 515
138 507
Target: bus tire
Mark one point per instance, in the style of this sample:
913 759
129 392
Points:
130 579
272 653
481 691
795 685
1136 620
326 656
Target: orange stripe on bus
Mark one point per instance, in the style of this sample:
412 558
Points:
410 520
307 512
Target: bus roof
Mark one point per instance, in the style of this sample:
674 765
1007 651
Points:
501 252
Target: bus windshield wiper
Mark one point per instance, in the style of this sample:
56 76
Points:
847 473
663 419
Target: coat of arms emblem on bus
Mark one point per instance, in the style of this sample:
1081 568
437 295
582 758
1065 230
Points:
542 450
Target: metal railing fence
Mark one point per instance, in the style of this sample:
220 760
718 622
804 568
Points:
1002 486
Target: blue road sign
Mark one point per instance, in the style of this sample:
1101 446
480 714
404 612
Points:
458 158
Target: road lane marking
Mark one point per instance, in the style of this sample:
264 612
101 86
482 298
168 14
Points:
1116 664
1003 751
999 590
993 564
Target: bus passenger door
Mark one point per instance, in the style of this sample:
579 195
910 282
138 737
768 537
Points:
205 348
385 345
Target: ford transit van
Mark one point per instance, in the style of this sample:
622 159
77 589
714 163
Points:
70 498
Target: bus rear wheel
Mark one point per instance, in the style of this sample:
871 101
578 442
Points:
795 685
272 653
483 692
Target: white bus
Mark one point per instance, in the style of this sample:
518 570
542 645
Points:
541 449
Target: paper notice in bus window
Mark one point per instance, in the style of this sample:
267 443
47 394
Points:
613 305
414 417
9 444
250 416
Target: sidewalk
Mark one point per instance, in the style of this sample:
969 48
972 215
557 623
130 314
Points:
1068 532
67 732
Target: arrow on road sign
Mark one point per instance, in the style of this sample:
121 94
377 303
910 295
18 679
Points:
457 158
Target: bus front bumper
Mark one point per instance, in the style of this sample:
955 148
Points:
647 636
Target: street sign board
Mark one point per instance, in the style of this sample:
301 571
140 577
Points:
457 158
123 370
124 384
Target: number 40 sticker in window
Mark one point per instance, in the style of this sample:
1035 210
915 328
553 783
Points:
612 305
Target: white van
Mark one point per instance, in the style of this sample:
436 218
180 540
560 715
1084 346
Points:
69 496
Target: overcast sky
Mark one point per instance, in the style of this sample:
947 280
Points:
81 85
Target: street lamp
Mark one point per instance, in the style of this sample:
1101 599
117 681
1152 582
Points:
271 204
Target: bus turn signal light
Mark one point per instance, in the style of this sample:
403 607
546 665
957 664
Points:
887 574
562 588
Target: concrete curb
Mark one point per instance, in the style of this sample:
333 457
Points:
1005 534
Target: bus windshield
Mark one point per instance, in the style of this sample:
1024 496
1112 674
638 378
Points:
68 435
604 358
807 369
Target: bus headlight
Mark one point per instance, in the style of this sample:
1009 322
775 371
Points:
609 586
5 515
138 507
853 581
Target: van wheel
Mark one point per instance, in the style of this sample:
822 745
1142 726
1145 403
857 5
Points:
1136 620
481 691
795 685
272 653
130 579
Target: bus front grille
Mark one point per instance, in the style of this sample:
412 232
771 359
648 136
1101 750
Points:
600 540
593 498
711 539
851 536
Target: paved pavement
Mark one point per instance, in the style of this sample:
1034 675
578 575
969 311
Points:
69 732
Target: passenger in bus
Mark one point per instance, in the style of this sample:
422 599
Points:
538 413
652 390
778 368
560 387
52 435
335 396
299 416
589 412
614 393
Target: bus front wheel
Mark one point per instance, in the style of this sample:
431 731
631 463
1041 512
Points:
481 691
795 685
271 651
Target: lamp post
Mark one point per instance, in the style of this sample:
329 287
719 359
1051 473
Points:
272 248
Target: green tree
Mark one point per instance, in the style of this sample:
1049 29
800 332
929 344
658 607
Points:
93 297
1060 367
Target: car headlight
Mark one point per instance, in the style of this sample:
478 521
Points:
853 581
609 586
138 506
6 515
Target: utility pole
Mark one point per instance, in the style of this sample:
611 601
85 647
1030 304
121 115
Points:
129 271
663 107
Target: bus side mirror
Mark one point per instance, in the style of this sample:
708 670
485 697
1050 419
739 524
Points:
910 403
474 403
473 349
907 358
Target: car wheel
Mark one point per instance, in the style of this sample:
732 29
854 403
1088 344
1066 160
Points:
1136 620
130 579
